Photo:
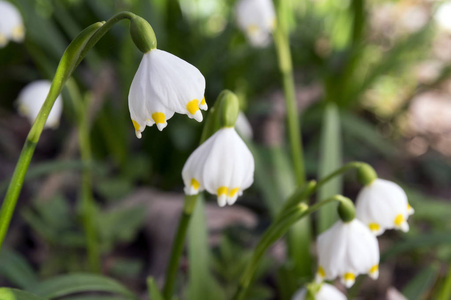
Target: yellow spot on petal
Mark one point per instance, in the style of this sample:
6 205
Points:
3 40
409 208
399 220
222 191
321 272
232 192
195 184
374 227
136 125
203 101
192 106
18 33
251 29
349 276
159 118
374 269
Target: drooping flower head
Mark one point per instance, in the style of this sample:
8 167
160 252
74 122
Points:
222 165
163 85
326 292
11 24
256 18
346 250
383 205
31 99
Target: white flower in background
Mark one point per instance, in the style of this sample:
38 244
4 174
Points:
443 16
257 19
31 99
347 250
243 126
383 205
11 24
326 292
163 85
222 165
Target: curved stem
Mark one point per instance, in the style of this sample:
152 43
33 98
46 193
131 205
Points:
73 55
177 246
272 234
345 168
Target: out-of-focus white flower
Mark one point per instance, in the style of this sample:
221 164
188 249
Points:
347 250
243 126
326 292
443 16
11 24
31 99
383 205
257 19
222 165
163 85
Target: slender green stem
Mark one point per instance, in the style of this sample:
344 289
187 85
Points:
177 246
445 292
286 219
345 168
88 206
281 40
73 55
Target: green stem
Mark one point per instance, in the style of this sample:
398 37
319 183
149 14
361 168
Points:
285 220
281 40
88 206
345 168
177 246
73 55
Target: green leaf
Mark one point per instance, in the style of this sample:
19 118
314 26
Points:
202 284
16 269
154 292
79 283
14 294
419 286
330 160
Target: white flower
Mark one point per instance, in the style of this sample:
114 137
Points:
11 24
443 16
163 85
347 250
383 205
243 126
222 165
326 292
257 19
31 99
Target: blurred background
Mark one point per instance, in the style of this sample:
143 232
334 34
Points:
372 82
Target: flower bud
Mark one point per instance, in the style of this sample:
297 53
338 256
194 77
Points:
366 174
346 209
229 108
142 34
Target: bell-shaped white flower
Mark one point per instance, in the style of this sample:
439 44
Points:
257 19
346 250
11 24
222 165
163 85
326 292
31 99
383 205
443 16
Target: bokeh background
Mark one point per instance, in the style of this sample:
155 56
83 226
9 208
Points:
372 82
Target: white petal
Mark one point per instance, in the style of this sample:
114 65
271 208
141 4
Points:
257 19
31 99
11 24
243 127
326 292
443 16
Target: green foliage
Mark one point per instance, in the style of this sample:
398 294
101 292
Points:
14 294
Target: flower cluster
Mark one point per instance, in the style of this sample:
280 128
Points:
350 247
11 24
